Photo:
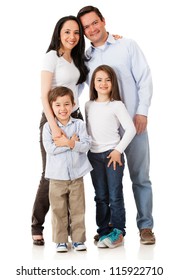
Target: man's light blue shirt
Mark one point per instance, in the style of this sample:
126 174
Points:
64 163
132 70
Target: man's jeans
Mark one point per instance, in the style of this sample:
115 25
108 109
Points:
138 160
108 193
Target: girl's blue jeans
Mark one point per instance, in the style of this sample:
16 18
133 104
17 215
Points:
108 187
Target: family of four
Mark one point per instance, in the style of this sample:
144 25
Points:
120 86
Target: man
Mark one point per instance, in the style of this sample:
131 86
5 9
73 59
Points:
135 83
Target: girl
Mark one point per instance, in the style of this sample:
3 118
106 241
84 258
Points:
105 113
63 65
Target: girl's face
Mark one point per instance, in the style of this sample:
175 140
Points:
69 35
103 84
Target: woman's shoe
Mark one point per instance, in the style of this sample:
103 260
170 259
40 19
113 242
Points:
39 241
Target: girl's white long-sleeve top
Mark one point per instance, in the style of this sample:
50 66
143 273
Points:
103 122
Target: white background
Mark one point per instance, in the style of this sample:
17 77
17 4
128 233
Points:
26 28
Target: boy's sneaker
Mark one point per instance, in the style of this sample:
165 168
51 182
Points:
114 239
79 246
147 237
61 247
100 243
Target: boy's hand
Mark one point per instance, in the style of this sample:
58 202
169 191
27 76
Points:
75 137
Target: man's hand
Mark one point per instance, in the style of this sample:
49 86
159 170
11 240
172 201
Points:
140 122
115 157
116 37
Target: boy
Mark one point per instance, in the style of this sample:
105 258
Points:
66 165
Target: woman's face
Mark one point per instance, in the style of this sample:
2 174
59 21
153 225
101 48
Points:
69 35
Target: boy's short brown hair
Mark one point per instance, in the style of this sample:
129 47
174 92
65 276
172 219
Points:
60 91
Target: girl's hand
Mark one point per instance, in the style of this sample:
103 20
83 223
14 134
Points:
115 157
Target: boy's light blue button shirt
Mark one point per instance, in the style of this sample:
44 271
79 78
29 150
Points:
132 70
64 163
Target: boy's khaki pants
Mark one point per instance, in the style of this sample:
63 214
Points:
64 196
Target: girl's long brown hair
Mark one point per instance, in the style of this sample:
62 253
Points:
115 93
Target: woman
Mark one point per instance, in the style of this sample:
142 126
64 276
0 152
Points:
63 65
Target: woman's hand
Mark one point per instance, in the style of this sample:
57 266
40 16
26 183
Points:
57 132
63 141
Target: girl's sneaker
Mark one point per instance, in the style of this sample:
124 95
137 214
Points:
100 243
79 246
61 247
114 239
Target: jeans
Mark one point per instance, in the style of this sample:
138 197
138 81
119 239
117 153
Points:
108 193
138 160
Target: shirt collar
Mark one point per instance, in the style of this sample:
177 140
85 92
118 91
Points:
110 40
71 120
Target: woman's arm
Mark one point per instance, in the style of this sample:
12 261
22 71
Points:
46 82
49 145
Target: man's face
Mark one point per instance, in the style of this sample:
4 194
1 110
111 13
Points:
94 28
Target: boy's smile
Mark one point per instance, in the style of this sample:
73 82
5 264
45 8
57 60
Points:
62 108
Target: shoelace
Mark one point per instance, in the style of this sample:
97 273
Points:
61 245
147 231
77 244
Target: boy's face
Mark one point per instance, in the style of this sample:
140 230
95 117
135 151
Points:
62 108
